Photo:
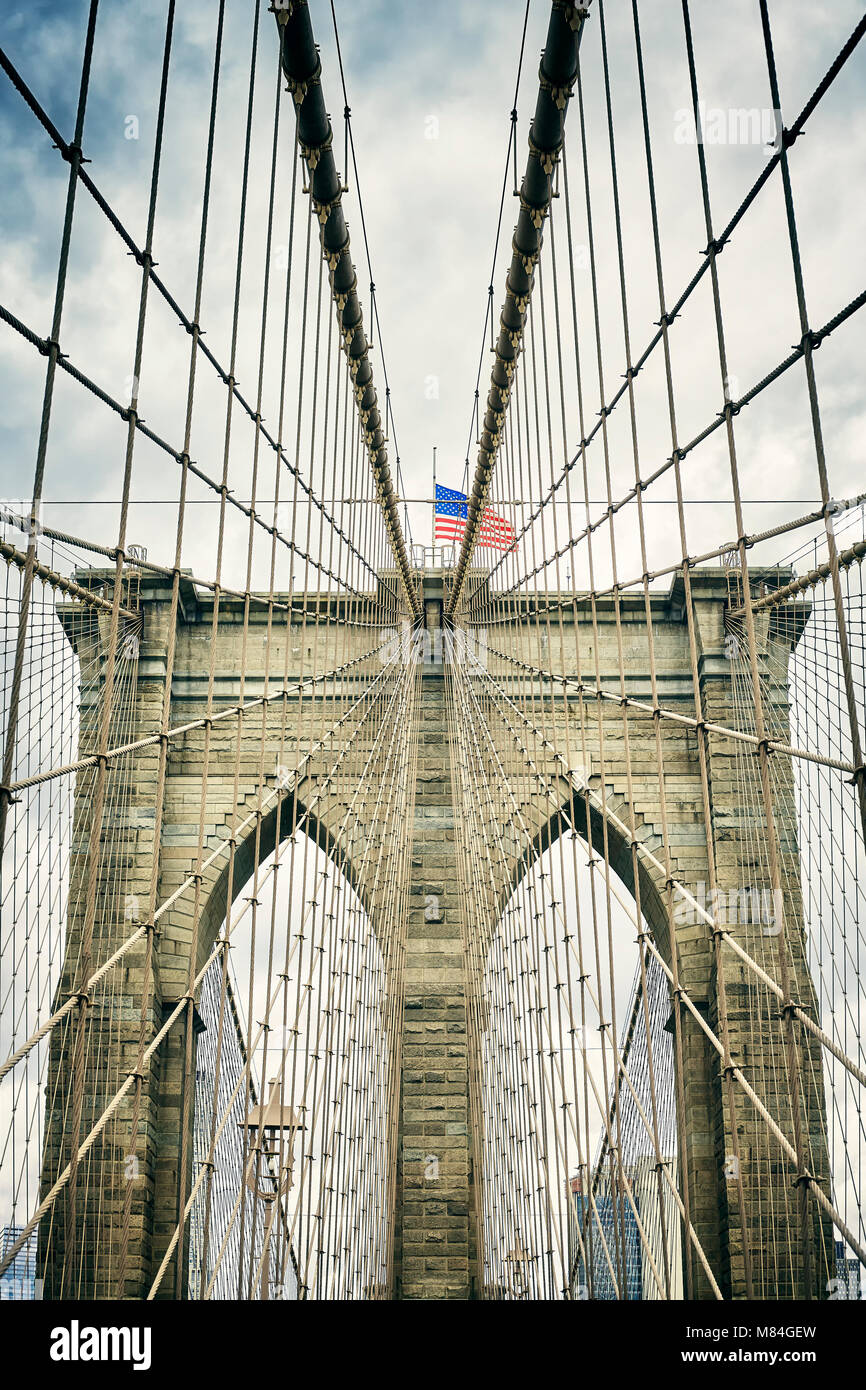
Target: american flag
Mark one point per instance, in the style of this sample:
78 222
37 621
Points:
494 533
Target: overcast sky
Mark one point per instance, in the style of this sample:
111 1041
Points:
431 88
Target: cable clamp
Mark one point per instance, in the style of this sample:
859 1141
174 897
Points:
548 159
528 260
729 410
313 153
324 210
535 215
789 1009
49 345
143 258
559 95
299 89
715 246
70 152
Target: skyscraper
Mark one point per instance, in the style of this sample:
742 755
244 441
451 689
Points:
604 1243
19 1280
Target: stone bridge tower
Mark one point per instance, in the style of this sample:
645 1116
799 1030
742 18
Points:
436 1255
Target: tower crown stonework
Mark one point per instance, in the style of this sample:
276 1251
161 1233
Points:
437 1245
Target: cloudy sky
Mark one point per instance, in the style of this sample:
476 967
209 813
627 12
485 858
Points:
431 88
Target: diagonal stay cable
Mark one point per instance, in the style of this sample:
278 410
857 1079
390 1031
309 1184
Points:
67 151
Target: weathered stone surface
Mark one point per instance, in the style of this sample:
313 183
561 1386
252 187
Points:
435 1255
434 1183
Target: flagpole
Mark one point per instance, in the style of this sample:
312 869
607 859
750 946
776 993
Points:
433 517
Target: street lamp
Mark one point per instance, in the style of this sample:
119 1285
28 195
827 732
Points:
517 1262
266 1124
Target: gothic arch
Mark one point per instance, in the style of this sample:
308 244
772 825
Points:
572 814
279 824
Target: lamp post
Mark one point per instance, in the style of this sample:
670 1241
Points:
266 1124
517 1262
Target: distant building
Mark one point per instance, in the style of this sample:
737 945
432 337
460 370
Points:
849 1275
607 1221
614 1222
661 1223
233 1277
19 1280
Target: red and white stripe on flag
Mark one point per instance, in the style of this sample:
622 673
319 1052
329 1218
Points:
449 528
494 533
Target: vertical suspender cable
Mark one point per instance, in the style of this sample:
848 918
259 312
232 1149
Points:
555 78
303 71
